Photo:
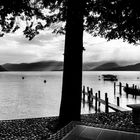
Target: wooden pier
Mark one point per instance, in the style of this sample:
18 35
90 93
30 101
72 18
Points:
132 90
98 100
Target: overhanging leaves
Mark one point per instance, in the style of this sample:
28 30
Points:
107 18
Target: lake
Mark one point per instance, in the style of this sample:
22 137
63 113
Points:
26 95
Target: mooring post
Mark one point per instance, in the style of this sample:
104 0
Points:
91 95
83 93
118 101
106 103
89 105
133 86
95 102
127 86
126 94
114 88
87 89
120 88
135 97
99 96
88 94
135 92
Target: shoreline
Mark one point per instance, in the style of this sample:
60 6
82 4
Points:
122 121
26 129
36 128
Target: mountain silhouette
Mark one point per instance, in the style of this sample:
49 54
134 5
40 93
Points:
37 66
2 69
134 67
46 66
106 66
89 66
58 66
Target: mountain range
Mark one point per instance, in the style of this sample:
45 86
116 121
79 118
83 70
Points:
2 68
134 67
58 66
36 66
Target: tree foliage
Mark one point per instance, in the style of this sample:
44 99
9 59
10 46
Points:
114 19
36 15
107 18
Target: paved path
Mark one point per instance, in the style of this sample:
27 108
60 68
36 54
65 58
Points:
81 132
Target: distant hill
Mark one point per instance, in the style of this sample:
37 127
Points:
2 69
106 66
37 66
58 66
135 67
89 66
46 66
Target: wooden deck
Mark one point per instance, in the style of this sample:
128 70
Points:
81 132
116 108
110 105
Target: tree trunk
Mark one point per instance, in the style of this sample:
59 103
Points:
70 107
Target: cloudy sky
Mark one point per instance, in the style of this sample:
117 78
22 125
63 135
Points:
15 48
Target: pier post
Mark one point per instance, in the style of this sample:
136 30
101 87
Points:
136 91
99 96
89 101
118 101
114 88
95 102
88 94
91 95
83 93
106 103
127 86
87 89
133 86
126 95
120 88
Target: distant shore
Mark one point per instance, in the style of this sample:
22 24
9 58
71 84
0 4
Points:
36 128
52 65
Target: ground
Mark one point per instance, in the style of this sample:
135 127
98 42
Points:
36 128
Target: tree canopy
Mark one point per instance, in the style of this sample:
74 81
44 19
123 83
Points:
107 18
114 19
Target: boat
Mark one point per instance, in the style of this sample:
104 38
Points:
109 77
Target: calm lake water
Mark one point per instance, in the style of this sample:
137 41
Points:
31 97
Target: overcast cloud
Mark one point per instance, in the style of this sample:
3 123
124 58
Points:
15 48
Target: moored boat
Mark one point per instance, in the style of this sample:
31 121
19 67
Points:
109 77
